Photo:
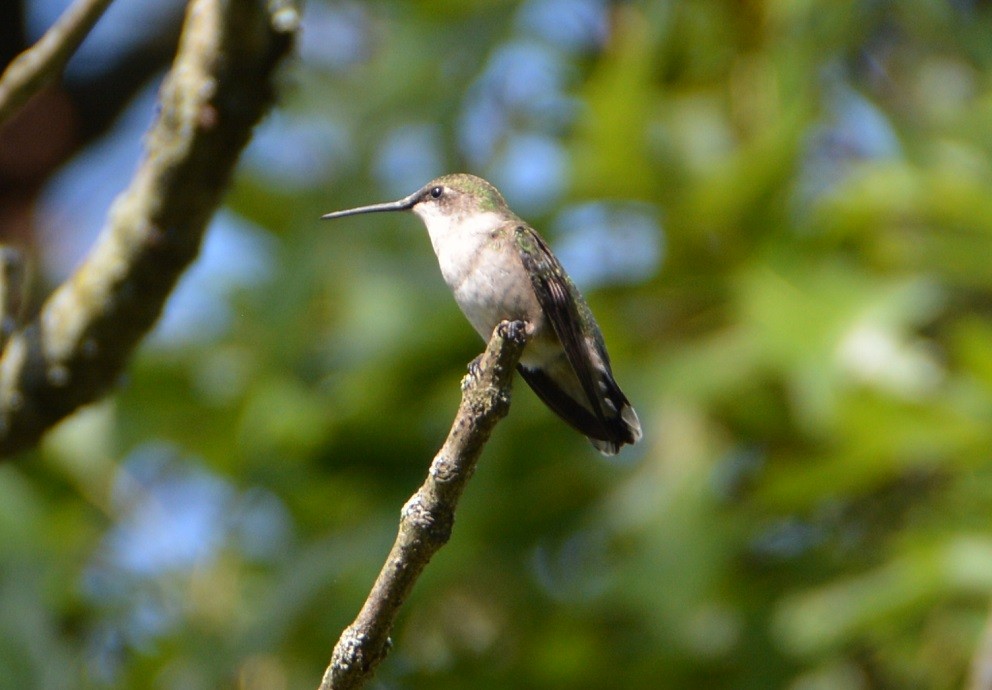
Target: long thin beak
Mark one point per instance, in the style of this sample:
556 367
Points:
404 204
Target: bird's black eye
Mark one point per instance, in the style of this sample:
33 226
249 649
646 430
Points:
436 192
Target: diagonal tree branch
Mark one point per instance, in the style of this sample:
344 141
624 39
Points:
40 63
220 85
427 518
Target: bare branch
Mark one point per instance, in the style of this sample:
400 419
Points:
220 85
427 518
33 68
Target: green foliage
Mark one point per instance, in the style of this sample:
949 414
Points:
811 361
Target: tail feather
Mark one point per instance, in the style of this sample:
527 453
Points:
608 432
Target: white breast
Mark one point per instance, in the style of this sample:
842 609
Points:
457 242
486 277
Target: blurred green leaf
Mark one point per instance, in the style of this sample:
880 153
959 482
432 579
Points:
811 362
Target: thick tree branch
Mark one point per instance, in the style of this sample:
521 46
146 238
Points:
220 85
40 63
427 518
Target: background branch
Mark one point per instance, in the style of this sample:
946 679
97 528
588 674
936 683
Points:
30 70
220 85
427 518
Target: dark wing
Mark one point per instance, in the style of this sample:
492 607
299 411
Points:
570 317
566 407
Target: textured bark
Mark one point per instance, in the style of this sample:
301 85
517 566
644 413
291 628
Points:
428 517
221 83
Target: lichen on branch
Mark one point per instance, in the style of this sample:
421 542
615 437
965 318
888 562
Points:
428 517
220 85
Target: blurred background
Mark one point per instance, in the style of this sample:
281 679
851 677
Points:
781 214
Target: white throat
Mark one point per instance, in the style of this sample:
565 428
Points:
456 239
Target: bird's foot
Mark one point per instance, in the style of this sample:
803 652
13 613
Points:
514 330
474 368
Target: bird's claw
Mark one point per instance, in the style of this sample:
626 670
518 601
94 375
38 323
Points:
513 330
474 367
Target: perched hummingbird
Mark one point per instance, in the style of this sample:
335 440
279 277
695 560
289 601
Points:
500 269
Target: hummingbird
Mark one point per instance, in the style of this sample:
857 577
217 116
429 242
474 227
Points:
500 269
